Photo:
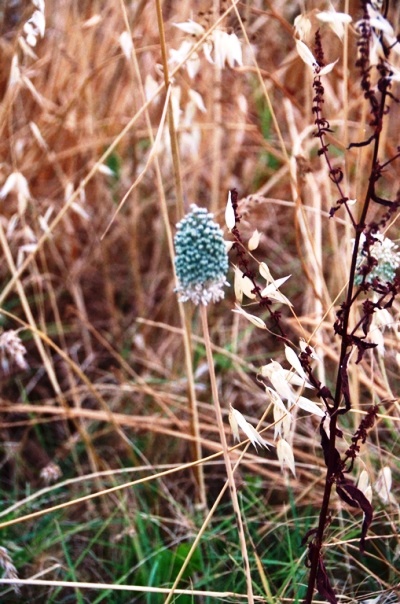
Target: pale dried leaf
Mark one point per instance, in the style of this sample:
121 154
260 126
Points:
197 100
35 27
234 50
296 380
17 183
305 54
249 430
103 169
254 241
364 486
243 285
38 135
283 422
302 26
294 361
190 27
75 207
285 455
335 20
282 387
332 16
381 24
327 69
125 41
277 376
92 21
23 250
252 318
26 46
363 480
276 283
229 213
276 400
15 73
383 484
304 345
237 285
264 272
271 291
307 405
280 298
234 424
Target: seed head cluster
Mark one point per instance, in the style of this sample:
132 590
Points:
387 258
201 261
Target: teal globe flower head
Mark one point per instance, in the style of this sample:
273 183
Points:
201 260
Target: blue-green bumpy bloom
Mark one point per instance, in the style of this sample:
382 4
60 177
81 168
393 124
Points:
201 260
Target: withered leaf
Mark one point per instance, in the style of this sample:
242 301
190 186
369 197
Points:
323 584
352 495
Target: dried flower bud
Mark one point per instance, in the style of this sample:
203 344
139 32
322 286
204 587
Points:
6 563
12 349
50 473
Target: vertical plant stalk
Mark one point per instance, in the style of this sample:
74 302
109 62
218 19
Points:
343 329
218 133
196 541
183 314
341 373
217 139
228 466
171 125
202 530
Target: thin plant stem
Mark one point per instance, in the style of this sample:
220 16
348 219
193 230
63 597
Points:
171 124
184 318
217 140
196 542
225 450
342 367
186 329
202 529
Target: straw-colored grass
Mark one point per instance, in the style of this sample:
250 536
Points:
116 401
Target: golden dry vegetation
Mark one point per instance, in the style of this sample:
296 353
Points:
111 144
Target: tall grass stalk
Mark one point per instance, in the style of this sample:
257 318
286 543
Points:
184 316
225 450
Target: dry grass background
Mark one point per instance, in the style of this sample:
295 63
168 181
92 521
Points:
106 387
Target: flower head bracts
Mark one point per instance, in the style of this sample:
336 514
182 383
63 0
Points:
237 420
302 29
220 48
382 38
201 261
378 260
33 29
245 277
